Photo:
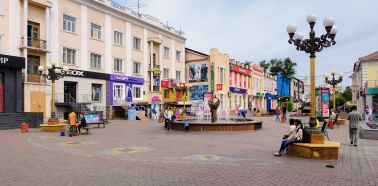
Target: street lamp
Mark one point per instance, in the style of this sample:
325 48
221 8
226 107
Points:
312 45
52 72
333 82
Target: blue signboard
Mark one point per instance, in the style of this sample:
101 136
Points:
238 90
283 86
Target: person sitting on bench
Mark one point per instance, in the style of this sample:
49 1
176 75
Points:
295 137
83 122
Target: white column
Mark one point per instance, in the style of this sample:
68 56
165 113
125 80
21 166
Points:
145 54
108 44
173 59
129 41
151 63
84 38
25 41
160 62
47 12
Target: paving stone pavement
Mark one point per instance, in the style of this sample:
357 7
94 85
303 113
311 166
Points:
137 153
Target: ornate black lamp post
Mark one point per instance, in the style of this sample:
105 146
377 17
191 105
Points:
333 82
53 73
312 45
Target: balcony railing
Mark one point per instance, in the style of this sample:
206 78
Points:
371 84
35 43
36 78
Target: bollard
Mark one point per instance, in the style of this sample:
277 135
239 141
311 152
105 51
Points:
24 127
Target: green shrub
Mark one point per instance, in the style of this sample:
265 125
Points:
289 106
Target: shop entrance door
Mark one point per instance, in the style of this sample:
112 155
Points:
69 91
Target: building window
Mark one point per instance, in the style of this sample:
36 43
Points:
166 52
136 43
118 91
166 73
118 38
118 65
136 68
178 76
178 55
95 31
221 75
137 92
69 56
166 93
96 92
95 61
69 23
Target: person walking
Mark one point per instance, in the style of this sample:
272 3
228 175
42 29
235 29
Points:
166 118
354 117
278 113
284 109
72 122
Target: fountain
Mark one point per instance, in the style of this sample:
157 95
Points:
218 120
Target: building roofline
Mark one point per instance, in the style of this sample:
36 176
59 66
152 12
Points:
194 51
370 57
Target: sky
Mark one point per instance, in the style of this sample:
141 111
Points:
254 30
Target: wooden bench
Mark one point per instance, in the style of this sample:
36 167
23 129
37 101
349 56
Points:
327 151
98 124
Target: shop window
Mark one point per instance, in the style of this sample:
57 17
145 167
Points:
166 52
96 92
137 68
137 43
118 38
137 92
166 93
118 91
95 61
95 31
69 56
32 69
118 65
69 23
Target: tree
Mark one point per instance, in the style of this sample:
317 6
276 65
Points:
347 94
265 64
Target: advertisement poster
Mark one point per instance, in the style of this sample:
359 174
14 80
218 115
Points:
206 97
198 72
318 103
325 102
197 91
93 118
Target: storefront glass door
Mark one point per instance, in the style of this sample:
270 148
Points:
69 91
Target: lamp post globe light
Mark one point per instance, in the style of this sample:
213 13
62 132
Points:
53 73
333 82
313 45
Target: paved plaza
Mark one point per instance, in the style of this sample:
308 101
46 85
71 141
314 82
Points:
138 153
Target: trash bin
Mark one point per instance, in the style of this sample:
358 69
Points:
131 114
62 133
24 127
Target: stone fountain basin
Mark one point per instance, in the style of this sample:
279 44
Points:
233 125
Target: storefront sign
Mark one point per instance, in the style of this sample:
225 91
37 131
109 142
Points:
241 70
127 79
258 68
85 74
172 83
197 91
219 86
164 83
11 61
155 99
238 90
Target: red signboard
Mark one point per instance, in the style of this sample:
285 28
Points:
258 68
164 83
219 86
172 83
241 70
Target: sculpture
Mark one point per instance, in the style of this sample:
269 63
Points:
213 104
